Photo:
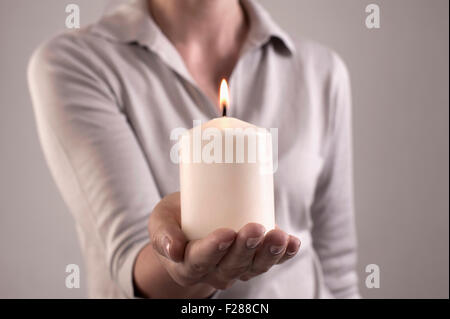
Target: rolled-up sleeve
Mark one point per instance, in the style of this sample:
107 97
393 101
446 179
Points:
92 152
332 212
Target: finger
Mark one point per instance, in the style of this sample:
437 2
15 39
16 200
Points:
166 235
271 251
292 248
204 254
241 254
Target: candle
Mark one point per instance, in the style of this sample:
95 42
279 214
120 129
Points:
226 175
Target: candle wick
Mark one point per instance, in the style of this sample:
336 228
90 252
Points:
224 110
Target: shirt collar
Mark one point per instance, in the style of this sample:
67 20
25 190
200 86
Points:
132 23
263 28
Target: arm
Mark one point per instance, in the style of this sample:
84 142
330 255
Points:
332 212
92 152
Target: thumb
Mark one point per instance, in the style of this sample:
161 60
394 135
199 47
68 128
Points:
164 228
169 241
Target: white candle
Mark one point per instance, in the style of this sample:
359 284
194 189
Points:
226 176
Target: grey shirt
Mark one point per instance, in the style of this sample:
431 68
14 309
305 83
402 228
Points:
106 98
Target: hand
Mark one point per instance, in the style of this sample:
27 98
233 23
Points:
220 258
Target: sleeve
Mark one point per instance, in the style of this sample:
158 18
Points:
92 152
334 236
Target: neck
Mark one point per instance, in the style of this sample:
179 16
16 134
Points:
208 34
206 23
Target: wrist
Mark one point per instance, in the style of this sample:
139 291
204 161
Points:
195 290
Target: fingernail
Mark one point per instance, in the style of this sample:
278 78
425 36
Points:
291 253
276 249
166 245
253 242
225 245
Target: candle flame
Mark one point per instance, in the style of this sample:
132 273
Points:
224 100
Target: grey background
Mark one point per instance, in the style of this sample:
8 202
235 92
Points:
401 103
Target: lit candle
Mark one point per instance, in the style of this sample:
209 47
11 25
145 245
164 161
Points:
226 175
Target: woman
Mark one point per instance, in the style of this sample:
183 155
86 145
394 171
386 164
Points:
106 98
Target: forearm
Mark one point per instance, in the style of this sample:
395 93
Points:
151 280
